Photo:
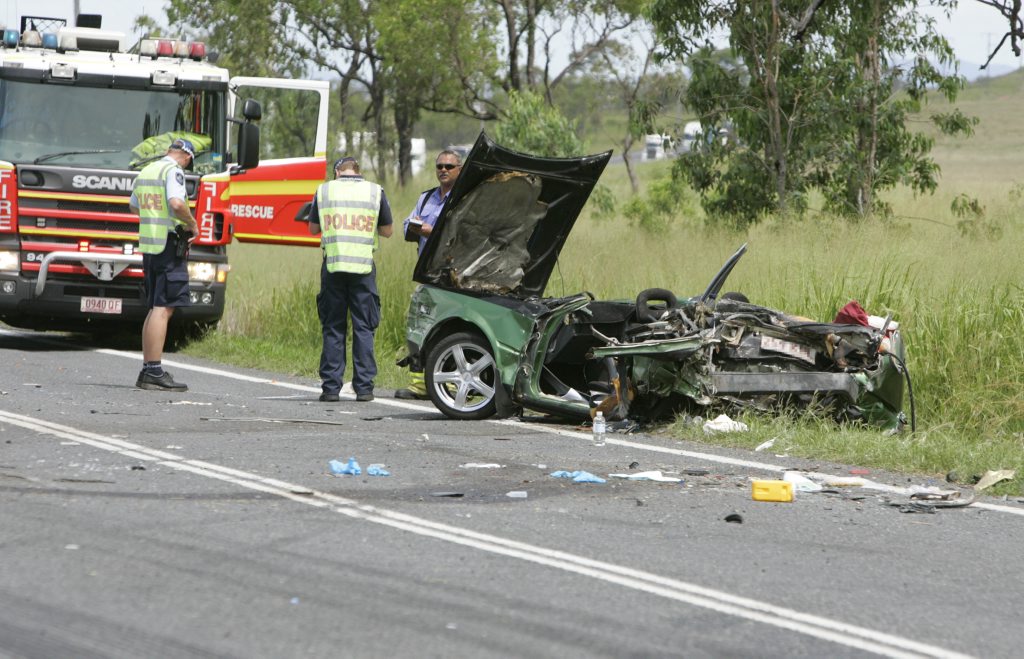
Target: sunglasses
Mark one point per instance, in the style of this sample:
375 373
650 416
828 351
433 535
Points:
445 165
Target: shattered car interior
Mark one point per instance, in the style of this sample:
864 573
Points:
490 343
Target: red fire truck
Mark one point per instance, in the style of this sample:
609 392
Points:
80 115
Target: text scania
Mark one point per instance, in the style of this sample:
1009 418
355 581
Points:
257 212
83 181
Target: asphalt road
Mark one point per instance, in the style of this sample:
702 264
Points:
208 524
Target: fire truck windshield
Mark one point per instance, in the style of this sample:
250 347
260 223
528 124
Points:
80 126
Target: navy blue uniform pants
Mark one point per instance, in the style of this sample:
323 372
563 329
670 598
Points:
344 294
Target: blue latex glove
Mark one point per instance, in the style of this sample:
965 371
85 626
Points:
341 468
377 470
578 476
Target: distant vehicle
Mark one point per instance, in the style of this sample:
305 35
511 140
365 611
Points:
461 149
657 146
691 134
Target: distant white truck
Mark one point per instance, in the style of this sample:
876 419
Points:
658 145
691 135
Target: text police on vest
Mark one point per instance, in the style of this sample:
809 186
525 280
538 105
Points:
355 223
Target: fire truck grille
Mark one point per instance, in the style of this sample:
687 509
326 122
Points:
102 291
91 206
91 225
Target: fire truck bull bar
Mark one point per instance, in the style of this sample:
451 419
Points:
102 266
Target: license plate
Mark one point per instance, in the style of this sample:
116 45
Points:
788 348
101 305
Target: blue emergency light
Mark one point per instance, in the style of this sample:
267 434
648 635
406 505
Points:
11 38
50 40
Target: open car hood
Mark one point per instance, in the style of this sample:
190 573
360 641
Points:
505 221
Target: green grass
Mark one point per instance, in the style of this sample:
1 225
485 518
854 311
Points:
958 297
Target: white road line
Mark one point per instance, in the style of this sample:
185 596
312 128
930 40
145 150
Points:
834 631
695 455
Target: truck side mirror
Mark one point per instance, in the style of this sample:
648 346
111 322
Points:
248 145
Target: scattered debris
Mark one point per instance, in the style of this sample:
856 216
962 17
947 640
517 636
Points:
800 482
578 476
269 420
503 439
174 446
781 491
634 464
623 427
765 445
377 470
916 505
734 518
372 418
931 493
70 443
295 600
138 468
694 472
350 468
913 507
516 494
722 423
189 402
450 495
843 481
860 472
82 480
480 465
71 547
990 478
656 476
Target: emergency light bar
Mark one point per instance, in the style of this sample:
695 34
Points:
31 39
154 48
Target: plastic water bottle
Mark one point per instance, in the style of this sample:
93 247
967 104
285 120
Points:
599 429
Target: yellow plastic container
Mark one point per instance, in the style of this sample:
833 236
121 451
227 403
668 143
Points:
772 491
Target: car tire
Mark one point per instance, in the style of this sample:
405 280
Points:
462 376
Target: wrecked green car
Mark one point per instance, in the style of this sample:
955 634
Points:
489 343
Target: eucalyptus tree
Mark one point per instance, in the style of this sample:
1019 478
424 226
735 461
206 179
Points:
810 94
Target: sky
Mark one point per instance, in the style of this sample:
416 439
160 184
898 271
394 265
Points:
973 30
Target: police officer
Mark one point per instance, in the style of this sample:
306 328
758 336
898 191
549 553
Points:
417 228
161 202
348 213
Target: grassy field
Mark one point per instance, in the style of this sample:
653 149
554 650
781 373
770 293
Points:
957 291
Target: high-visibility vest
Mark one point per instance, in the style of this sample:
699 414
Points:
348 223
155 217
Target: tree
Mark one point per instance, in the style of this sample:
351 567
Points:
532 126
1011 11
628 68
810 94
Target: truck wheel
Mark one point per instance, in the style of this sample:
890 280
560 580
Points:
462 376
